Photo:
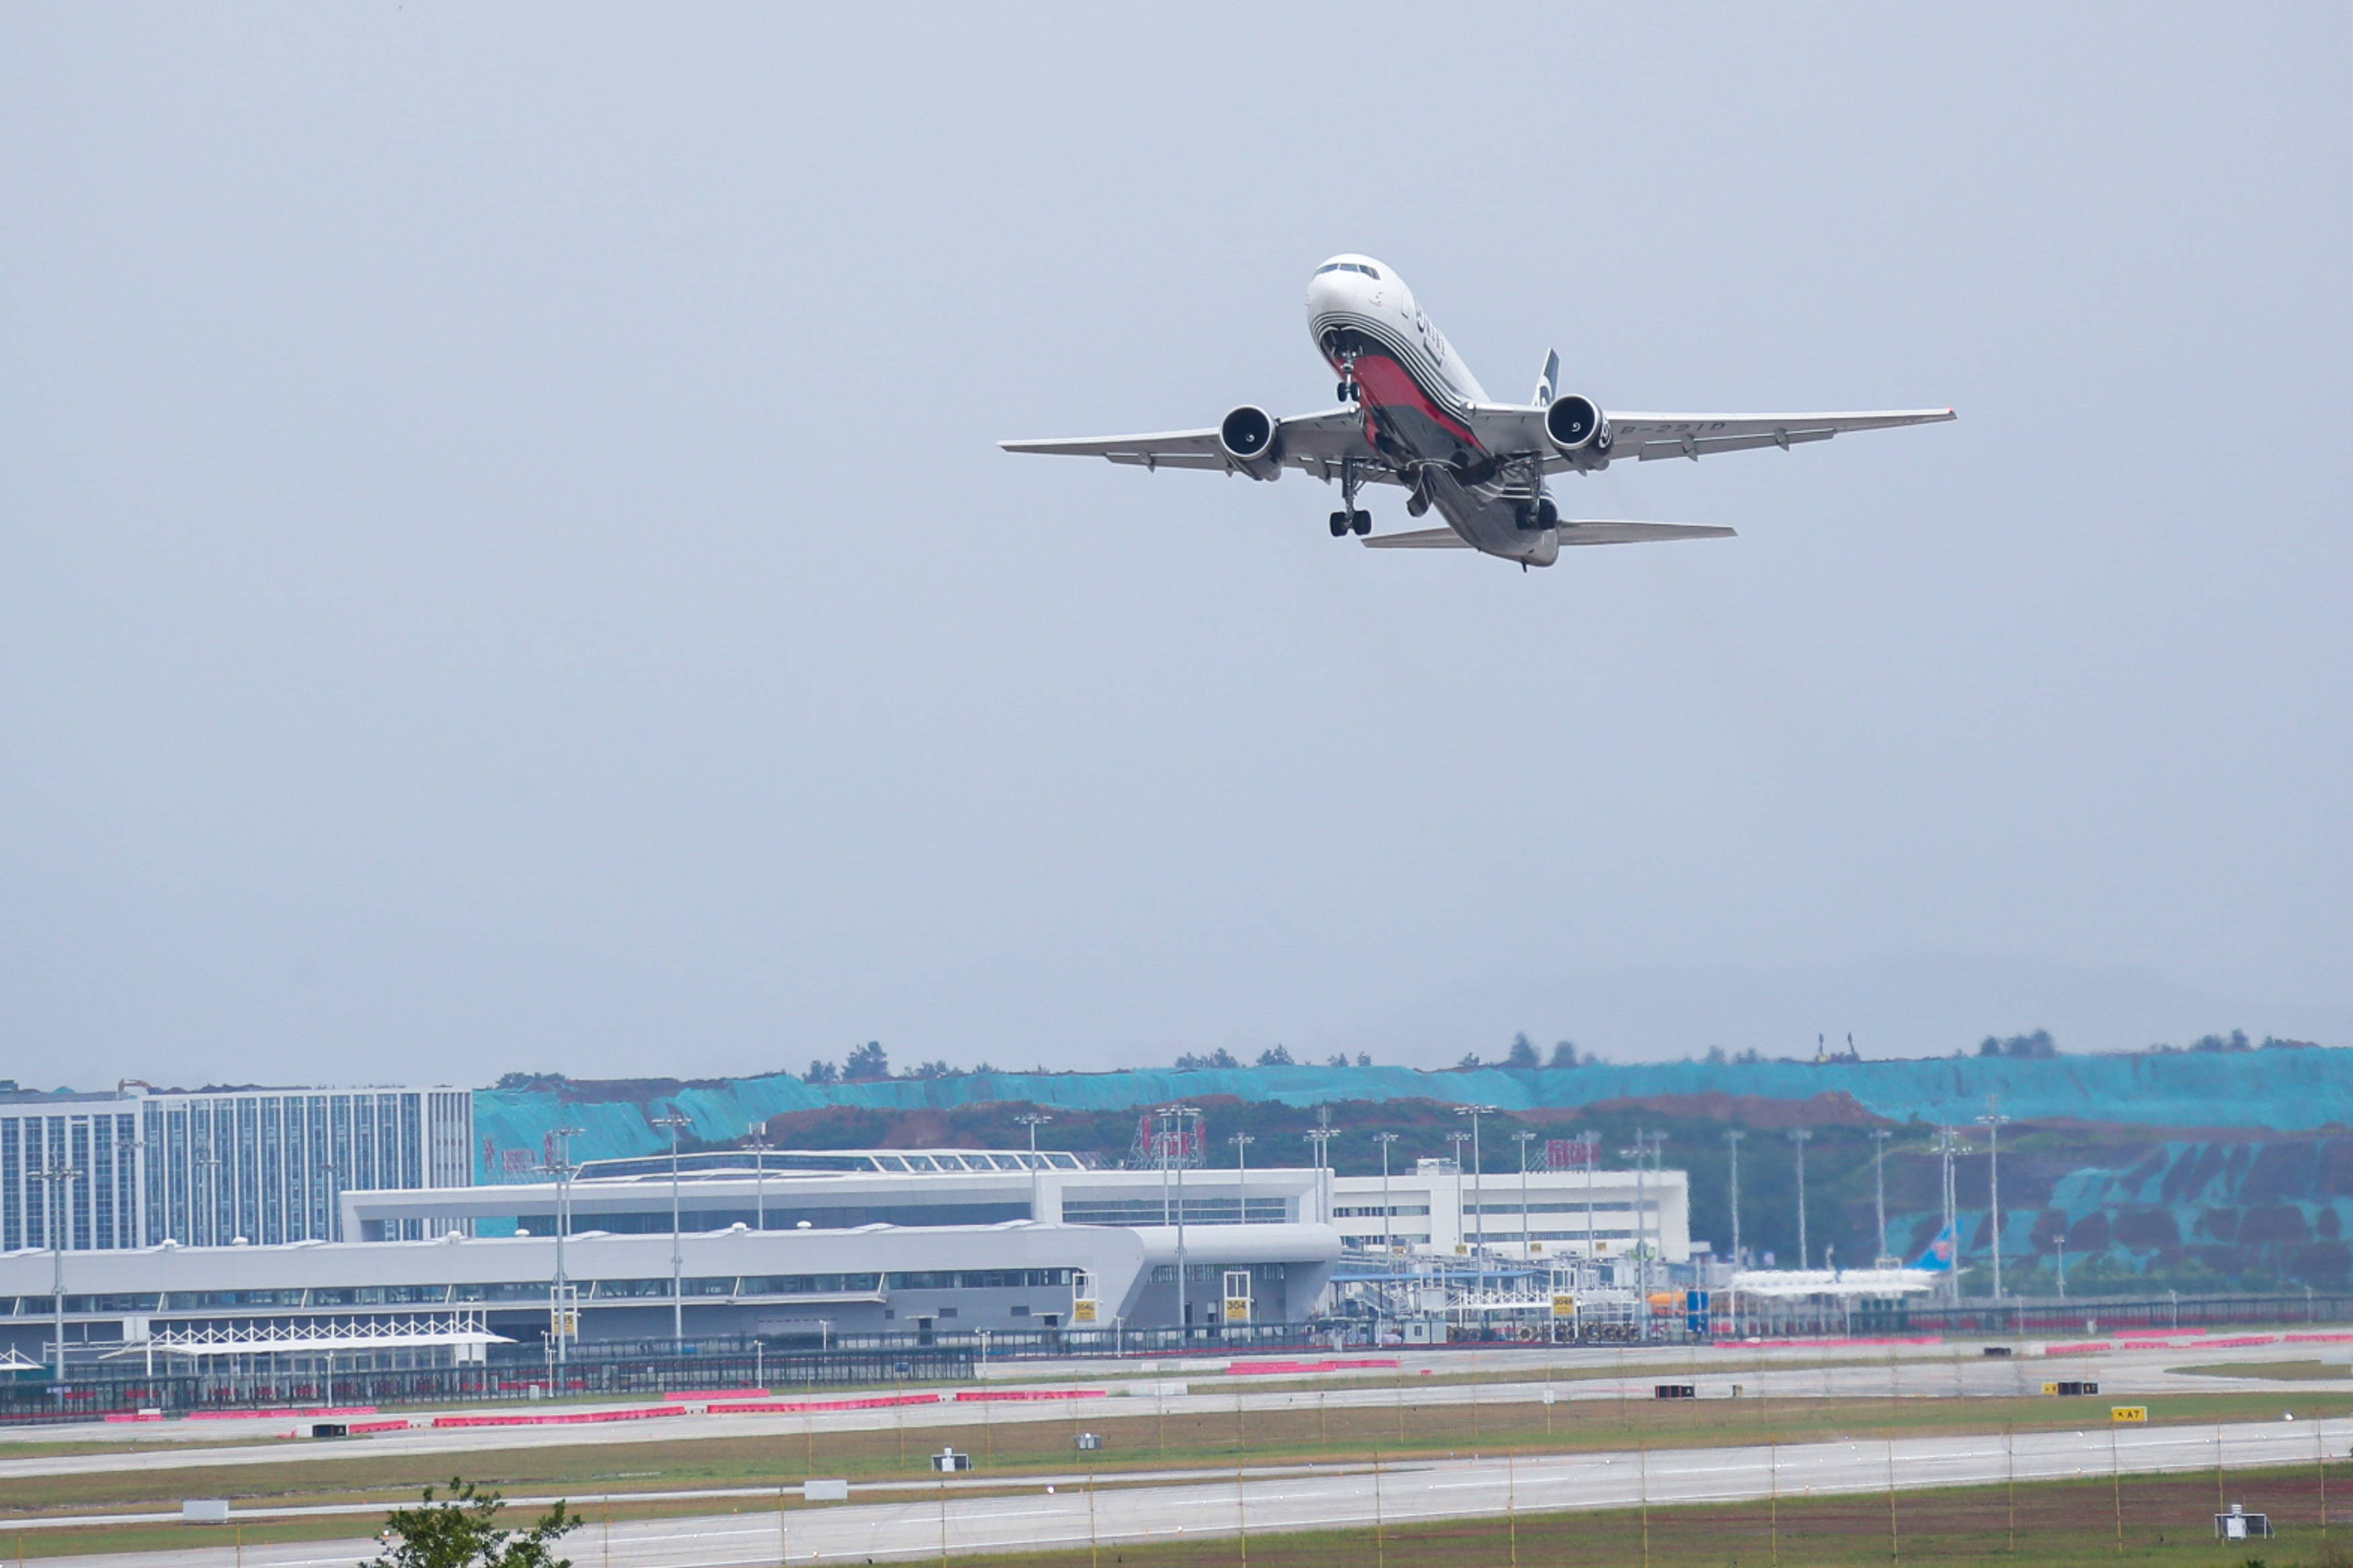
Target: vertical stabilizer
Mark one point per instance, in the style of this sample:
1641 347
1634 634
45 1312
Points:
1549 383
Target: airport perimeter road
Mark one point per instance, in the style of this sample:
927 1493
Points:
1959 1372
1066 1519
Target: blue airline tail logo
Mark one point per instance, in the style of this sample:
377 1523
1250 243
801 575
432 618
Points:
1939 1255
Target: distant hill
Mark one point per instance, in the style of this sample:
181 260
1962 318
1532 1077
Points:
2198 1169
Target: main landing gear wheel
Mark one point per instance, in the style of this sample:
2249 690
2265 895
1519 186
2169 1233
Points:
1364 523
1346 522
1339 525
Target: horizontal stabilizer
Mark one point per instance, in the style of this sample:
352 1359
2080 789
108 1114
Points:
1636 533
1420 539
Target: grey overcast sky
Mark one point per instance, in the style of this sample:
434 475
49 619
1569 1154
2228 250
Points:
503 563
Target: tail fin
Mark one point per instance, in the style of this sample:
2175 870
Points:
1939 1255
1549 383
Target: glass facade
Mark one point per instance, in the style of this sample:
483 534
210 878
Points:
207 1169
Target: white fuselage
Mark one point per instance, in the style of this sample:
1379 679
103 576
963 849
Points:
1415 392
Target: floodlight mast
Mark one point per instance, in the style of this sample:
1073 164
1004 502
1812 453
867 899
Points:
1241 1142
1798 1136
1478 1192
673 1121
1732 1142
1991 1121
759 1145
1034 1121
565 1316
1388 1223
1180 1115
1879 1136
57 1191
1527 1237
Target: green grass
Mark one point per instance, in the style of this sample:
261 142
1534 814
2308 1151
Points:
2092 1524
1137 1438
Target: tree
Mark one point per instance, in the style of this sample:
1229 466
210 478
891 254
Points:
1523 1053
933 1070
1563 1055
1469 1060
1336 1060
1220 1057
1274 1056
461 1531
1715 1058
866 1063
821 1072
1364 1059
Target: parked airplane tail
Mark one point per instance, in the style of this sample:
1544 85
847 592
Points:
1939 1255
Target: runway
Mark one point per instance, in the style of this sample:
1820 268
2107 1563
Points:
954 1522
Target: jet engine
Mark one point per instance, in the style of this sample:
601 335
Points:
1575 424
1253 441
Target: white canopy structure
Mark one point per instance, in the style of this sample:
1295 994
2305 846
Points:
1848 1284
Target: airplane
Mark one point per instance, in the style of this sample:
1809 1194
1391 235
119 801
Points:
1411 414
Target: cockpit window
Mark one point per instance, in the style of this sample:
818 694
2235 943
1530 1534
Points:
1330 266
1371 272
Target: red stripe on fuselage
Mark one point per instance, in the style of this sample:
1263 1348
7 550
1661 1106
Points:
1382 382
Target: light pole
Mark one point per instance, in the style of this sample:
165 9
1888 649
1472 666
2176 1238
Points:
1592 1143
57 1210
2062 1266
204 1162
1641 1227
1034 1121
1732 1142
1461 1210
1178 1116
1478 1188
1527 1236
1321 1137
672 1122
1798 1135
1388 1223
1992 1121
1879 1136
760 1147
564 1318
1241 1142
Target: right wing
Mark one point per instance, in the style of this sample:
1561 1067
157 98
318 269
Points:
1509 429
1316 443
1637 533
1650 436
1593 532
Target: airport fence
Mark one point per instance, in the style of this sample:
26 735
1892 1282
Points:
591 1371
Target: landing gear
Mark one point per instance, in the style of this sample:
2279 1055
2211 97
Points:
1350 518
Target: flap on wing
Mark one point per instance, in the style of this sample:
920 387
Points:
1316 442
1606 532
1420 539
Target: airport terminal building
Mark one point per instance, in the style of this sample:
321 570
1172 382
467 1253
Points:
802 1246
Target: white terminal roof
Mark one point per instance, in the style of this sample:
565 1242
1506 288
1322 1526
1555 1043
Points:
1860 1283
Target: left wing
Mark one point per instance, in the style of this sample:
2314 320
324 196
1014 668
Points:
1508 428
1316 443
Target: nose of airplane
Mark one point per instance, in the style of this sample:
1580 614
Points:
1329 291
